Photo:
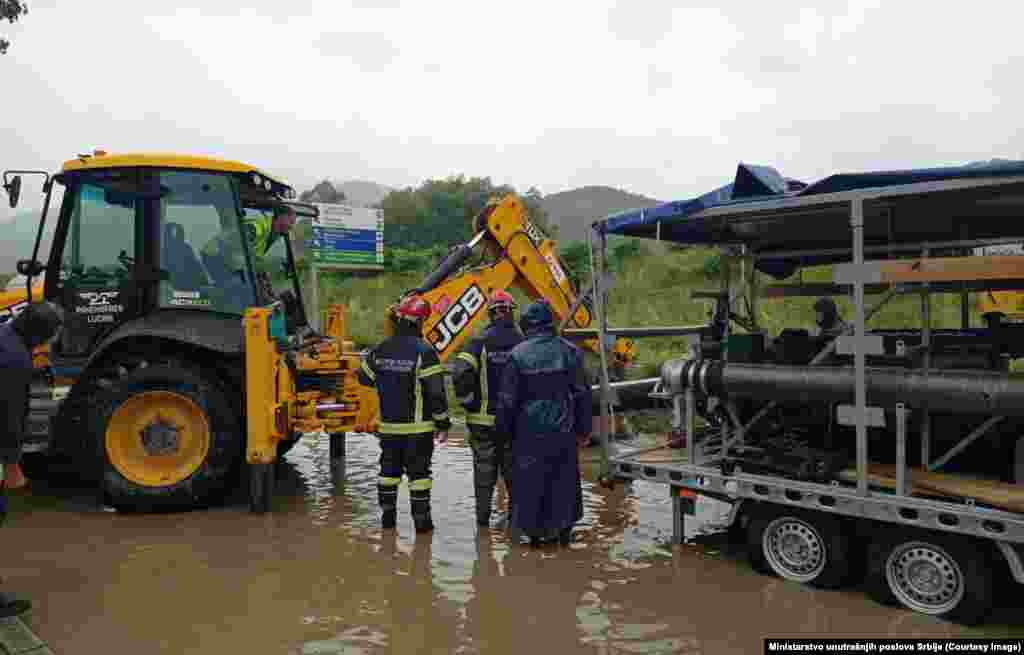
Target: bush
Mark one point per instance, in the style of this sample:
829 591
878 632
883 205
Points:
576 258
712 266
400 260
628 249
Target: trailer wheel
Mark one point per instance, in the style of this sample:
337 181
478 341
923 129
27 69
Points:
940 575
801 546
167 438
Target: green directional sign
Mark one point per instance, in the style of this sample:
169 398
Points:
335 257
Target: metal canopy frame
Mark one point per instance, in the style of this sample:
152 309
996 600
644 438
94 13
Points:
698 474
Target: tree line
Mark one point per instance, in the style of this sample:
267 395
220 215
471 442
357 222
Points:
437 214
421 224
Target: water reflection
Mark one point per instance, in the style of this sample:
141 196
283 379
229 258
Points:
317 576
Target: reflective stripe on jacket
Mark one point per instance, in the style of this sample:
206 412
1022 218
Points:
409 379
478 370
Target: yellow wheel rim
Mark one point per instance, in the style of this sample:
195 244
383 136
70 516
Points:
157 438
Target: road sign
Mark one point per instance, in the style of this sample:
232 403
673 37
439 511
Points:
346 234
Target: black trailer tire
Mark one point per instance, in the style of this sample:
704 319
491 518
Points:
178 403
808 547
942 575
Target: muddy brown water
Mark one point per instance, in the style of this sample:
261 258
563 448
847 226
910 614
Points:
317 577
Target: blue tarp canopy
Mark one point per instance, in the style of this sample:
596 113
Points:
773 214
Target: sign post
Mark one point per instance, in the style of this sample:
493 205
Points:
343 238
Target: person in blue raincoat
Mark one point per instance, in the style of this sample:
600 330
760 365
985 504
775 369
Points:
545 405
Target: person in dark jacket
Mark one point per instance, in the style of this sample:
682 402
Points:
18 338
409 379
477 373
545 405
828 323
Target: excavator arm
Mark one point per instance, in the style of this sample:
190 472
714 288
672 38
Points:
519 255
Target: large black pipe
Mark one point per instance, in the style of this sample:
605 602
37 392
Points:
983 392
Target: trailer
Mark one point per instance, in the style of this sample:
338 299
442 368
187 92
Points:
892 457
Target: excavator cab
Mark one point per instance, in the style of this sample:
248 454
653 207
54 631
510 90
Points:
138 235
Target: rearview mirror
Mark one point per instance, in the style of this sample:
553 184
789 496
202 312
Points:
13 189
29 268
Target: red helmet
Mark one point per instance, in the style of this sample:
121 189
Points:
502 299
501 302
414 308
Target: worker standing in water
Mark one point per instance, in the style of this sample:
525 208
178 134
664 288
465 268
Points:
409 379
477 374
545 404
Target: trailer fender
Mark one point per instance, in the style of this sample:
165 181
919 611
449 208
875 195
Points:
1013 560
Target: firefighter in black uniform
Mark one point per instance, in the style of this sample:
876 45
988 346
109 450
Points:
409 379
477 371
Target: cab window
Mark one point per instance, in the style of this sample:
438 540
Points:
201 246
101 237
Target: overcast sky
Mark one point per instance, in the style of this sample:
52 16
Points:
659 98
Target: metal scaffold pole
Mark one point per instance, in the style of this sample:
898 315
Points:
860 390
598 266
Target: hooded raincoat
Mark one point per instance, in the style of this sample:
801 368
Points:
544 403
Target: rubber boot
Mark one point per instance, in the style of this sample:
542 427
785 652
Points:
388 498
419 501
11 606
484 501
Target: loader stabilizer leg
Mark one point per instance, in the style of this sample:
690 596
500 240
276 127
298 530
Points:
338 459
268 385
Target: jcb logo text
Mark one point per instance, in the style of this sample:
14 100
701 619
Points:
457 318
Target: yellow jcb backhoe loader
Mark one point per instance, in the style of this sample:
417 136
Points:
184 353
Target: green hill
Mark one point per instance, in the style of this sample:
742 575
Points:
572 212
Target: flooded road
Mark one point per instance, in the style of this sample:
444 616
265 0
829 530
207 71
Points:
318 577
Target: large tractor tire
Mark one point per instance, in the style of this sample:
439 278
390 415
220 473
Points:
168 438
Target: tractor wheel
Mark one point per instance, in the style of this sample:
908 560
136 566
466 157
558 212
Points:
803 546
167 439
942 575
